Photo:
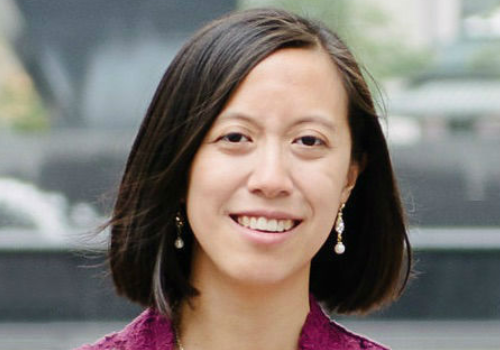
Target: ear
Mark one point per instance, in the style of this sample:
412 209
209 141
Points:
354 170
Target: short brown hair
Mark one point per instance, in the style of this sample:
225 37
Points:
147 268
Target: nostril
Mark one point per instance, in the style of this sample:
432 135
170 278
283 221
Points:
270 182
270 190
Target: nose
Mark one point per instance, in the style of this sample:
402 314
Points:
270 175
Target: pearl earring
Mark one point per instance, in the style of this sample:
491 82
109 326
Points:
179 224
339 228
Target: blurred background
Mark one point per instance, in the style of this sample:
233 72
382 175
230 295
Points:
76 78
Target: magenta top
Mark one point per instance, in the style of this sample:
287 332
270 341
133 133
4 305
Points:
152 331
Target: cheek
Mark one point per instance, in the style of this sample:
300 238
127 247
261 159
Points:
323 188
324 183
326 213
204 176
199 187
210 185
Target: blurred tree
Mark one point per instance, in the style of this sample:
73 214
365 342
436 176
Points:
486 60
367 29
20 106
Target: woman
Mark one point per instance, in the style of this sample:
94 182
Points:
259 185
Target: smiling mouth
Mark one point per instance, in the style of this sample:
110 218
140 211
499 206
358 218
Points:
264 224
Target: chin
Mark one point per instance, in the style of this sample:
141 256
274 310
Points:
250 269
263 274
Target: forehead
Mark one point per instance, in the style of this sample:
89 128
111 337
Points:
292 81
297 61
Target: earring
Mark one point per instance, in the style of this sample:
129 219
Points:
179 224
339 228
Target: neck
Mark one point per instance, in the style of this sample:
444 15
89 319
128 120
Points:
233 315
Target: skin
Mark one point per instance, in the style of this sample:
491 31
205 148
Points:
281 149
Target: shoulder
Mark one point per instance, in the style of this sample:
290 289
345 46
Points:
320 332
149 331
355 341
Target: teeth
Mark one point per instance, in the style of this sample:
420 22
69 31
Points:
272 225
245 221
280 227
263 224
252 223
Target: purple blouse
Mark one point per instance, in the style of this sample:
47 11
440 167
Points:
152 331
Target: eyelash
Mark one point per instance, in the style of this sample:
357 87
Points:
229 137
317 141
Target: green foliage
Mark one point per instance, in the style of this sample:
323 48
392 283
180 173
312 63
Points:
367 29
21 108
486 59
35 120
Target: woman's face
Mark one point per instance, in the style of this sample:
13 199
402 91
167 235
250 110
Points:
267 182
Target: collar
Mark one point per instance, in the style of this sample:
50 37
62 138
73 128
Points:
152 331
320 333
317 331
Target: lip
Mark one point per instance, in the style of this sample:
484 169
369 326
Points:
262 237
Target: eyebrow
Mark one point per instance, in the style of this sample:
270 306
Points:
304 120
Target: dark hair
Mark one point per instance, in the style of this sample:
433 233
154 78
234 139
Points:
147 268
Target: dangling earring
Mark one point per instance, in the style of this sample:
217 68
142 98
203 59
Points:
339 228
179 224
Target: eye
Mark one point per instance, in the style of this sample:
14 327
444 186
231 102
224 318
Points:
234 137
310 141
